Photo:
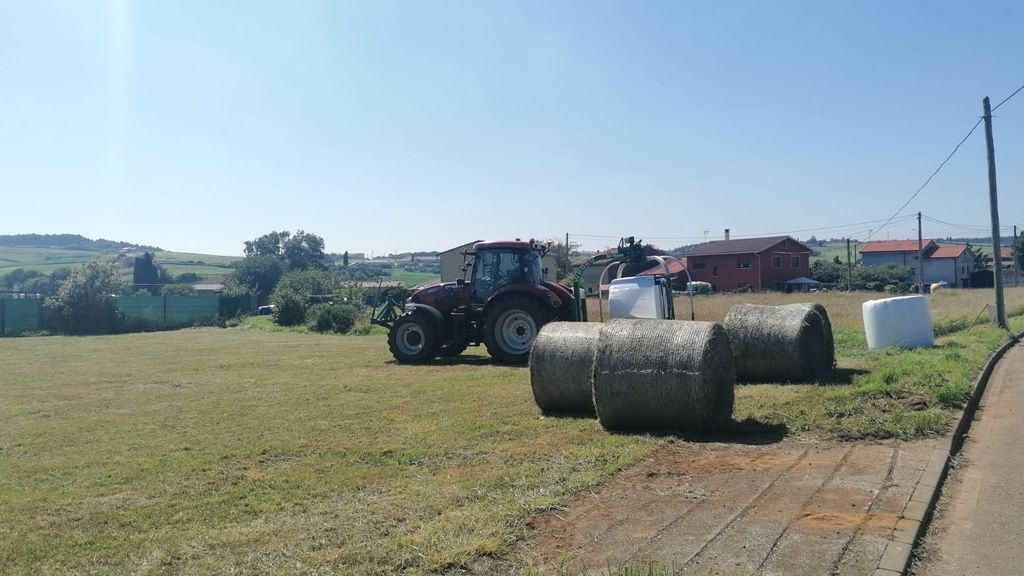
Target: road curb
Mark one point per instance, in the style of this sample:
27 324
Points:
917 513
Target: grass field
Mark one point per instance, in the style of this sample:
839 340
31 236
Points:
46 260
411 279
250 451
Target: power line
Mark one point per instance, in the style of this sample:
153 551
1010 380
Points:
928 181
836 227
968 227
1008 97
951 154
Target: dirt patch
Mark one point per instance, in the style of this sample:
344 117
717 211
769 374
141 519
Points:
792 507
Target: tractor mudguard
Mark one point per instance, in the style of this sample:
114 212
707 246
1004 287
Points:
542 294
434 313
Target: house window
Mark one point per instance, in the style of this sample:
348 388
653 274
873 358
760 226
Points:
714 270
795 262
700 265
743 262
776 261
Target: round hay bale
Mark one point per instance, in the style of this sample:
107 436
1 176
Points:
664 375
561 363
790 343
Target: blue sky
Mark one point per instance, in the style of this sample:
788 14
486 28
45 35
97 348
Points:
393 126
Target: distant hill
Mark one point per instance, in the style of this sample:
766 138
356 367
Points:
48 252
68 242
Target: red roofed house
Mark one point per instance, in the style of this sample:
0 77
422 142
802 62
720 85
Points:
950 264
899 252
754 263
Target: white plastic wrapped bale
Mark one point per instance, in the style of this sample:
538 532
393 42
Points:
637 297
904 322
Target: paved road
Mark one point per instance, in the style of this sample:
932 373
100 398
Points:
979 524
793 508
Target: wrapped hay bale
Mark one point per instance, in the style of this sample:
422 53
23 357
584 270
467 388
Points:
904 321
790 343
561 364
663 375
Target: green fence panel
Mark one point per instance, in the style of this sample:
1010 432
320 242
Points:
231 306
142 309
170 311
20 316
189 310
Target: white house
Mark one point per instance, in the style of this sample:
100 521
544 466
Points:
950 264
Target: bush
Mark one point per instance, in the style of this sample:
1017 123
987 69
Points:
295 290
891 289
337 318
143 324
362 330
84 303
290 308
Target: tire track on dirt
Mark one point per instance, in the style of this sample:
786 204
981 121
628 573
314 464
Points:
745 509
889 476
785 530
658 503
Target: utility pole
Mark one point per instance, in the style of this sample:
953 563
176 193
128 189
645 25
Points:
920 257
849 267
993 200
568 264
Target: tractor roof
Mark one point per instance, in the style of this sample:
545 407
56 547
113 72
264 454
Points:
503 245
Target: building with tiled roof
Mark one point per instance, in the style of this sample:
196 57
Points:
951 264
749 263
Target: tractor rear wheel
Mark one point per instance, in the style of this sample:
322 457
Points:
413 339
511 327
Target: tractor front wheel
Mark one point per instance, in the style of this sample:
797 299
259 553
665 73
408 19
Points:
413 339
511 327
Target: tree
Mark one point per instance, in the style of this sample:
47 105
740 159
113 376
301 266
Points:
828 272
17 278
84 304
304 251
344 259
837 260
259 273
301 251
979 257
146 274
177 290
267 245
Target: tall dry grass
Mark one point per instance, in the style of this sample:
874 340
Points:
844 308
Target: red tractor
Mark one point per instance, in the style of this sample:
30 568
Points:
503 305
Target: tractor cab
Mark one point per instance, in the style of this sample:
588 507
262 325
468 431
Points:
499 264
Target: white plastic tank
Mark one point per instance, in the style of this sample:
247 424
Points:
904 322
637 297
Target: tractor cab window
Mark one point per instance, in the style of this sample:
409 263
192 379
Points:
493 269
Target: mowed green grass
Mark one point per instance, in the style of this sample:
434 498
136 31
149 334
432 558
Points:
243 451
